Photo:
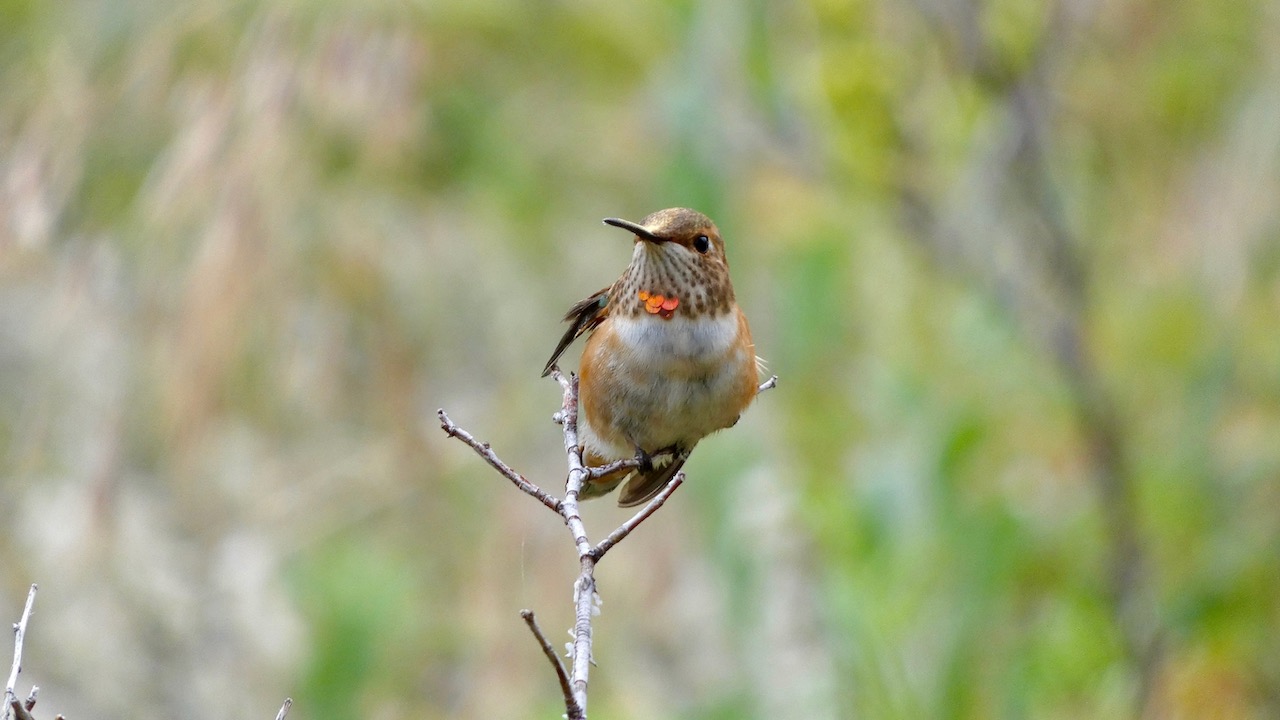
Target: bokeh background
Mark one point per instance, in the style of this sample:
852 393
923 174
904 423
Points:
1017 263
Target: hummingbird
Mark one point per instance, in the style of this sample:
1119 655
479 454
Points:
669 359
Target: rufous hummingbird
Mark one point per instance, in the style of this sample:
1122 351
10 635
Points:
669 359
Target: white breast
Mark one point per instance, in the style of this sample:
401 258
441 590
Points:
681 340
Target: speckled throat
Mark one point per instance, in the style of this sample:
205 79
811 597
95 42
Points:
700 282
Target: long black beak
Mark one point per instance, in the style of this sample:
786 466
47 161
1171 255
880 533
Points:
639 230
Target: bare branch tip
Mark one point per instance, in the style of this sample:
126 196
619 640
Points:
19 712
566 381
284 709
562 674
446 424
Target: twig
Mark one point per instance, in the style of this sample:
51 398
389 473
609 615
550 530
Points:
562 675
559 377
584 588
284 709
630 463
22 711
19 712
483 450
573 680
769 384
19 632
625 528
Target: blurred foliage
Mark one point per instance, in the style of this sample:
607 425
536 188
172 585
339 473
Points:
1017 264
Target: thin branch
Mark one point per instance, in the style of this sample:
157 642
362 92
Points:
284 709
19 632
19 712
769 384
625 528
483 450
562 675
573 679
559 377
578 472
600 471
584 589
22 711
630 463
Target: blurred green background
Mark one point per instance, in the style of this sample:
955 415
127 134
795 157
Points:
1017 263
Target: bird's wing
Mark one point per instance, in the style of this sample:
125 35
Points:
582 317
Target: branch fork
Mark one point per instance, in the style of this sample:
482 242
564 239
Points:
12 705
573 679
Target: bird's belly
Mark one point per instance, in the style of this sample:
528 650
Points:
666 382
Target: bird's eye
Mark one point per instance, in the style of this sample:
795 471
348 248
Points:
702 243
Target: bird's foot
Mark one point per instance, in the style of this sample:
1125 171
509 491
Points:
645 460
